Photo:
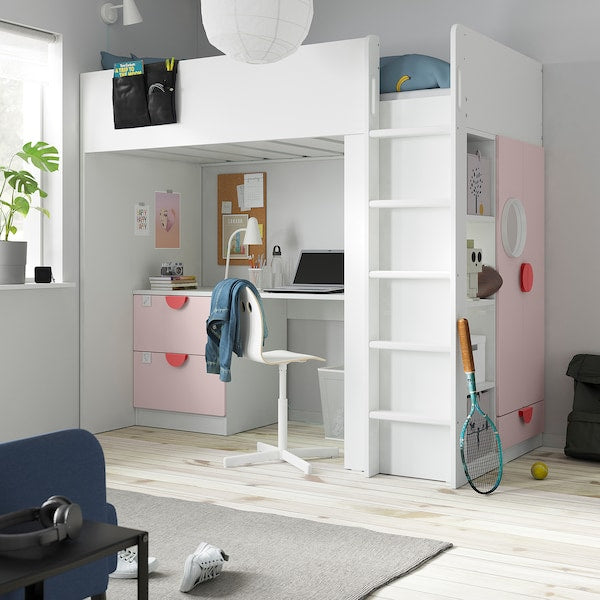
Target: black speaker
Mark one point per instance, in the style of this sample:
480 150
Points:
43 275
60 518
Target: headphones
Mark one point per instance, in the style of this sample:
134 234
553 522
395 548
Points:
60 518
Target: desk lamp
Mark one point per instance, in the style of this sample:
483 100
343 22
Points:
251 238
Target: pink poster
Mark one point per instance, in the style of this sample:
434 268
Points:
167 219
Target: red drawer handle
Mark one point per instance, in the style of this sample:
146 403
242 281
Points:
526 414
175 360
176 302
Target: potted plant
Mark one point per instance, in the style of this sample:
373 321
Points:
18 188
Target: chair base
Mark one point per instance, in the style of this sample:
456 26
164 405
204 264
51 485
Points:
268 453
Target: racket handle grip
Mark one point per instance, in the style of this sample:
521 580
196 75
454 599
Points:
464 335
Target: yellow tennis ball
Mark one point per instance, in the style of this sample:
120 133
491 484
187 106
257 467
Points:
539 470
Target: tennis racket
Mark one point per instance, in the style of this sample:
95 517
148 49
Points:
480 447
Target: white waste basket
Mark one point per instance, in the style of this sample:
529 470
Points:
331 385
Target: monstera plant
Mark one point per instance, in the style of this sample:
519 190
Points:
19 186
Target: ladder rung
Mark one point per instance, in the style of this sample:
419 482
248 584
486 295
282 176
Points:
411 203
406 347
409 274
400 417
406 132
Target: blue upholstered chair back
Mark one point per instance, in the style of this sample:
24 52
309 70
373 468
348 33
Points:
67 463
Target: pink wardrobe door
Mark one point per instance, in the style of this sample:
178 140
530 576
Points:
520 315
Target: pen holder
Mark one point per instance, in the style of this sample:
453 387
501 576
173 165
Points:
255 277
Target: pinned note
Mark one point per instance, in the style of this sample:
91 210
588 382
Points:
253 190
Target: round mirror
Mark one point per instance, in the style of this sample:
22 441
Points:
514 227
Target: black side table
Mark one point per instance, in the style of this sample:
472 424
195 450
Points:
95 541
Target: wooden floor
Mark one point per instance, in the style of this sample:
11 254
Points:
529 539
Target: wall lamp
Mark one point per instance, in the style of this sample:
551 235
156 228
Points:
251 238
131 14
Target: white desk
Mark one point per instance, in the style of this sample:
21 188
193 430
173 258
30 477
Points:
288 319
325 307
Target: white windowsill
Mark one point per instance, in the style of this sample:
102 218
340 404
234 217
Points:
35 286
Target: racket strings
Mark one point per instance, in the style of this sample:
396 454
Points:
481 454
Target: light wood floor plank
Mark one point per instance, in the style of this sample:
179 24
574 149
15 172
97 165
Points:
529 539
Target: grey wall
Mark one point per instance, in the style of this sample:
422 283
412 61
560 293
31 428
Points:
571 130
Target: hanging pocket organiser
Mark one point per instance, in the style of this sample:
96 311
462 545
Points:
130 107
160 86
144 94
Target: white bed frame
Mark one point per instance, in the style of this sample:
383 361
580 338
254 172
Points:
324 101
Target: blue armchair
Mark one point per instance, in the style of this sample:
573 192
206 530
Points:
67 463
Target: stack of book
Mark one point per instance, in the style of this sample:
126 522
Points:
173 282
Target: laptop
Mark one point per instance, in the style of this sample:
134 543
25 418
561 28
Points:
318 272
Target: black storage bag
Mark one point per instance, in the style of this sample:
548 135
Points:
130 107
583 426
160 86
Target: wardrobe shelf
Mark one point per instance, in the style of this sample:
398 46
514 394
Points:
402 417
411 203
410 132
409 274
408 347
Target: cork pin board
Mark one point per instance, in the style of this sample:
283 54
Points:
239 197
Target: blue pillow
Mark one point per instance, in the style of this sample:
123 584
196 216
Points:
149 60
108 60
412 72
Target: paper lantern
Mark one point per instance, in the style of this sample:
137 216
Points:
257 31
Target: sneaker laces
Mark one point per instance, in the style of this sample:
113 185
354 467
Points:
204 564
128 555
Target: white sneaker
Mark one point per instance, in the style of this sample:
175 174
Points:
204 564
127 565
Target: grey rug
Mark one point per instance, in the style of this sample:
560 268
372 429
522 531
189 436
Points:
271 557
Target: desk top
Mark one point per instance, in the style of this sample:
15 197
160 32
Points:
95 541
207 291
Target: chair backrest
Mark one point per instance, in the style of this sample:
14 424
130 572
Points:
251 325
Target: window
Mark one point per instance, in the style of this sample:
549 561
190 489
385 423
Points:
30 84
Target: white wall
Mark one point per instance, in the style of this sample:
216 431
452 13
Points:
115 262
38 361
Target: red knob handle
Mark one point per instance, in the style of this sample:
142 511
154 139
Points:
175 360
526 414
176 302
526 277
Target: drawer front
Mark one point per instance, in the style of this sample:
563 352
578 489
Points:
514 427
164 328
176 382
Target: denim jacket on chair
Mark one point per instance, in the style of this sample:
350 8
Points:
222 326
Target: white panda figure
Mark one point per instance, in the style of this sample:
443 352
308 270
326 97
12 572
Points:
474 266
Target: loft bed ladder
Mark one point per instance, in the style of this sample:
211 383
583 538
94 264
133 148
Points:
411 306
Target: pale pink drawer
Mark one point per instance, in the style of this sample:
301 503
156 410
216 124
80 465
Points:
164 328
514 427
176 382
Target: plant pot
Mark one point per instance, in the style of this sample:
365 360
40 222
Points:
13 258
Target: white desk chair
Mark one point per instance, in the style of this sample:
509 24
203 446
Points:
251 330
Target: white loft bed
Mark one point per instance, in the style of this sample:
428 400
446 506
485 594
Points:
324 101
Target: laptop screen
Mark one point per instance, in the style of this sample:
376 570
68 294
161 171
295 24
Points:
320 267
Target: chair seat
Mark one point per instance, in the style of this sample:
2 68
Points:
277 357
